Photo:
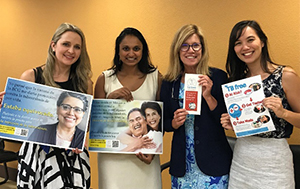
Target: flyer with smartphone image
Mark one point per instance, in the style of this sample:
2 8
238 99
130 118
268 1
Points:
192 94
44 115
243 100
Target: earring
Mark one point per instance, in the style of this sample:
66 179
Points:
120 62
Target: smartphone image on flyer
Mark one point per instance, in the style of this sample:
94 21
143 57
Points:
192 94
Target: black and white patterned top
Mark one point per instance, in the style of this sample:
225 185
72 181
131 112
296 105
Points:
45 167
273 87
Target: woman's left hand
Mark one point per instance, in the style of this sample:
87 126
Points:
275 104
76 151
207 84
146 158
225 121
86 144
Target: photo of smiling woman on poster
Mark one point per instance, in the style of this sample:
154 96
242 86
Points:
71 108
153 115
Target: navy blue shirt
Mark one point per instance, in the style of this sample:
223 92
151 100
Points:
47 134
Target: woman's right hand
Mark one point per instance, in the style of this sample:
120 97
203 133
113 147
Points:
143 142
1 98
122 93
139 143
179 118
146 158
225 121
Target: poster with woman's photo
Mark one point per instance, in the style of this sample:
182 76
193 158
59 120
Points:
44 115
118 126
243 100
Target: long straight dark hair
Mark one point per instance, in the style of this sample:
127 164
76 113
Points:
145 65
236 68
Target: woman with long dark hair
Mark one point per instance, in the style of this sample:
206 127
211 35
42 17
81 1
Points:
264 160
132 77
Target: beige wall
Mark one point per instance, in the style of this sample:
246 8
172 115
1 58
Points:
26 28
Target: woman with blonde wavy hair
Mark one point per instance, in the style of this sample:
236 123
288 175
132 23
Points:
67 67
200 154
80 71
176 65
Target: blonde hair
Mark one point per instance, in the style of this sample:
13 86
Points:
80 71
175 64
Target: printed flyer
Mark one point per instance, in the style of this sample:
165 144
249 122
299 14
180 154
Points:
243 100
118 126
44 115
192 94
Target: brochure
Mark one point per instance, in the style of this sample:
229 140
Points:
44 115
118 126
243 100
192 94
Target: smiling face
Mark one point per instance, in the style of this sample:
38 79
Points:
191 58
131 50
70 112
153 118
137 124
264 119
248 47
67 48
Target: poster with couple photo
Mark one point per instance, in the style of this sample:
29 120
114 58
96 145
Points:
243 100
44 115
118 126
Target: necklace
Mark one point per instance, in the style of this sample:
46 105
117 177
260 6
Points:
67 138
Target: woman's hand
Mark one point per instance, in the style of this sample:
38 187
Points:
142 142
207 84
76 151
146 158
225 121
1 98
145 142
122 93
139 143
275 104
86 142
179 118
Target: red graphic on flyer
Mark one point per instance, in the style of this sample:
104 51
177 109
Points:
191 100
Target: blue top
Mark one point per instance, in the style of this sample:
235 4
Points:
212 151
